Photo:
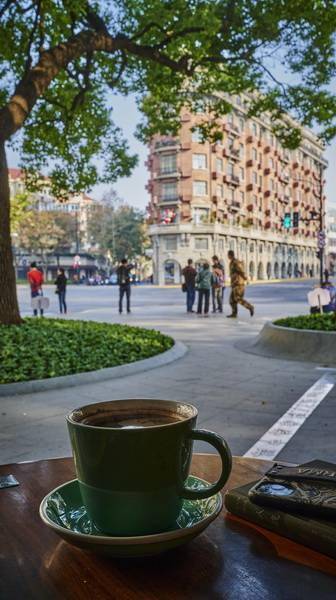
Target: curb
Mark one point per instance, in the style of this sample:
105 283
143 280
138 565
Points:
41 385
288 343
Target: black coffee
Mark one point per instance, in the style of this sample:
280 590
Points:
131 421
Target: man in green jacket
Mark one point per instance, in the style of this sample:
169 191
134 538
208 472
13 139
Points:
238 282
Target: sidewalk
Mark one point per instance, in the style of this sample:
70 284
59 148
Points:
238 395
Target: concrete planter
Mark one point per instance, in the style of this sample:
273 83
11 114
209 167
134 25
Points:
55 383
296 344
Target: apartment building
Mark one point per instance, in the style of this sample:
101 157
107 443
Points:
330 249
207 198
78 205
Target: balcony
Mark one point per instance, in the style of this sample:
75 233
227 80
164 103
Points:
169 198
232 128
249 163
267 149
162 145
234 205
231 153
250 139
267 171
168 173
233 179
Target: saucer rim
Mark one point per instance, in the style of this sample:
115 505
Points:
151 538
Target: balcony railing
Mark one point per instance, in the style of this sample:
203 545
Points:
172 172
166 144
172 198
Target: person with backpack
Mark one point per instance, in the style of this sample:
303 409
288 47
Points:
35 279
217 289
61 283
204 283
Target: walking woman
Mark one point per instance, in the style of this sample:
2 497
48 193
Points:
204 282
61 283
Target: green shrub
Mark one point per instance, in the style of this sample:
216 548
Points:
317 322
43 348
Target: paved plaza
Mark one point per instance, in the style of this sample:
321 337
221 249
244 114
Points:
239 395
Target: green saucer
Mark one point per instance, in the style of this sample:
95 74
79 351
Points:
63 511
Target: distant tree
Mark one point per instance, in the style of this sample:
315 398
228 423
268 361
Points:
117 229
59 59
41 233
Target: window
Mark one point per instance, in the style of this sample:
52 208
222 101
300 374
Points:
230 118
231 194
219 165
241 150
199 161
168 163
200 188
171 242
271 139
255 199
221 244
196 135
255 177
229 169
272 184
241 124
219 190
201 243
260 249
255 129
260 181
242 197
271 163
168 191
200 215
238 100
241 173
254 154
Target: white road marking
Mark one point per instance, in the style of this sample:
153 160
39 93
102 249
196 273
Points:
274 440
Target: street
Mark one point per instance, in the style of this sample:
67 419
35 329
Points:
239 395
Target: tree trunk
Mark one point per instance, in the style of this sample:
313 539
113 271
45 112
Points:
9 308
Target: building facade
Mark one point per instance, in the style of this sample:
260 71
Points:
330 250
77 205
207 198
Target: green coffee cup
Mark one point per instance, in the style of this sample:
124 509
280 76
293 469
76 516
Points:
132 458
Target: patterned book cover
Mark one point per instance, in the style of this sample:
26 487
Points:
316 533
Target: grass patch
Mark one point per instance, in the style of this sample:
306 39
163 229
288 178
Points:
43 348
325 322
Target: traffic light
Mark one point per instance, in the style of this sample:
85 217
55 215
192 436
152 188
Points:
287 221
296 217
318 254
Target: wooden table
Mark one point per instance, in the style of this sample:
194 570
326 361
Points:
230 560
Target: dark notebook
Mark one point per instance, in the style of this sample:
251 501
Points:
318 534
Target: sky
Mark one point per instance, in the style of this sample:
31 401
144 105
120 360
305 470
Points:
132 189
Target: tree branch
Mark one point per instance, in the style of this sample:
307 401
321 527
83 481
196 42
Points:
51 62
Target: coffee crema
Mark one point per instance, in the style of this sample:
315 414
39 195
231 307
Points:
131 421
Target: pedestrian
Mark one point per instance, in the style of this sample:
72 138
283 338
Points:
61 283
189 273
35 278
238 282
218 285
204 283
124 282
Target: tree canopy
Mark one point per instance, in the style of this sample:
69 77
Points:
59 59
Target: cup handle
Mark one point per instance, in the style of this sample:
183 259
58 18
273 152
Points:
223 449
